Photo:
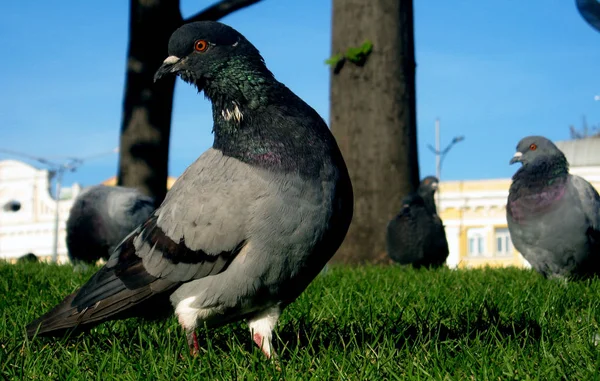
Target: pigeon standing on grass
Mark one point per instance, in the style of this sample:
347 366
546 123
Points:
27 258
416 236
101 217
248 225
553 217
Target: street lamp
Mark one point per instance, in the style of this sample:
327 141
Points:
440 154
58 170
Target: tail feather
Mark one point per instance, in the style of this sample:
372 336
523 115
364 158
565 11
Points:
66 317
107 295
57 320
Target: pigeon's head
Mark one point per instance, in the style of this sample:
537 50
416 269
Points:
532 149
429 184
201 51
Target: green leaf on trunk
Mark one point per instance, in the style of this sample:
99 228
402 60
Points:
356 55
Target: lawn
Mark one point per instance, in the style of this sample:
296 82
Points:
365 323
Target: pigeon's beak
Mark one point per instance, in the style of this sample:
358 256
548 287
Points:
434 186
516 158
169 65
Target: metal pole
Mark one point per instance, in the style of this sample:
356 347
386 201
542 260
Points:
438 168
59 174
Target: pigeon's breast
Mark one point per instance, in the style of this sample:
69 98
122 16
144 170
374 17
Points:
296 227
294 211
524 205
547 220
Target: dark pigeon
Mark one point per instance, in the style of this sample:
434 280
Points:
248 225
29 257
101 217
553 216
416 236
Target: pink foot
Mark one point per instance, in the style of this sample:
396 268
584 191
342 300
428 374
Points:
258 339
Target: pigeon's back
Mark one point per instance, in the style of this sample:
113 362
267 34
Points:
416 236
101 216
127 208
587 202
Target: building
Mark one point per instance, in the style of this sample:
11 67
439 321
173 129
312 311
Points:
28 212
474 214
474 211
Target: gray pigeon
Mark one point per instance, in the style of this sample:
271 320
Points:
416 236
553 217
101 217
248 225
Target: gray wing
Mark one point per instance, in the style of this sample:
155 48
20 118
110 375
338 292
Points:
590 200
196 232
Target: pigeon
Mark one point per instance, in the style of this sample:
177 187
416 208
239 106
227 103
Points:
27 258
101 217
416 236
247 226
553 216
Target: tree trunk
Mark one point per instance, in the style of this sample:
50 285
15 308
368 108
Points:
372 111
147 106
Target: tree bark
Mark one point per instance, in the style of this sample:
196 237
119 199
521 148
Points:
148 106
373 116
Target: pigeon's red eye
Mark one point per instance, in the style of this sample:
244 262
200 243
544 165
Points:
200 45
533 147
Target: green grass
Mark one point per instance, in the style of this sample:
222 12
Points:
367 323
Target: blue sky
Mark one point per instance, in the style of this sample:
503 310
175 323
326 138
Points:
491 71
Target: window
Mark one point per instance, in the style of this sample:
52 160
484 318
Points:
12 206
476 242
503 243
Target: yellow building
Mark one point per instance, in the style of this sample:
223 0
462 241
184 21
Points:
474 211
113 181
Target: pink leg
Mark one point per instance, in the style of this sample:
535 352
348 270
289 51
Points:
196 345
192 340
261 328
258 339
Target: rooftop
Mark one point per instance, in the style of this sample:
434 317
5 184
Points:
581 152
